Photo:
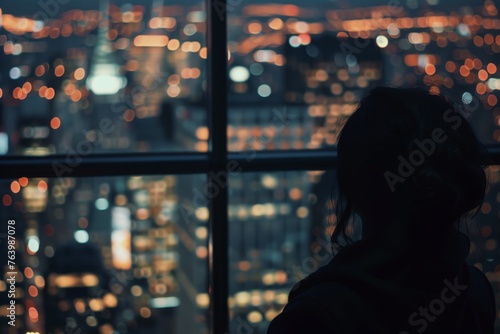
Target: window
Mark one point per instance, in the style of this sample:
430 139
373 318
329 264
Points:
150 193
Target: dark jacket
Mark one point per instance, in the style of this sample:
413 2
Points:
369 289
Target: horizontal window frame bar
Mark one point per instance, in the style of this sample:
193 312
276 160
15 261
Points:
104 165
177 163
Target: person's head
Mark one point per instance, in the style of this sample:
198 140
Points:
407 160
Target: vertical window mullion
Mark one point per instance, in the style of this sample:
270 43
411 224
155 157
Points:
217 189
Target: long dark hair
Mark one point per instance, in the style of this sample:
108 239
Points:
410 159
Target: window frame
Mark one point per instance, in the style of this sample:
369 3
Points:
212 163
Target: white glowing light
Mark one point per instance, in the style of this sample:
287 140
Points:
294 41
81 236
33 244
467 98
239 74
164 302
101 204
15 73
264 90
105 79
382 41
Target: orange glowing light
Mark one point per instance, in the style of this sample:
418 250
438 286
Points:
55 123
23 181
1 93
295 194
112 34
76 95
33 291
15 187
50 93
195 73
430 69
33 313
450 66
173 44
42 186
54 32
17 93
291 10
66 30
254 28
151 41
244 266
478 41
83 222
40 70
464 71
28 272
202 133
276 24
477 63
488 39
69 89
27 87
482 75
203 52
492 100
132 65
7 200
42 91
305 39
448 82
342 34
59 70
201 252
469 63
129 115
79 73
491 68
481 88
434 90
186 73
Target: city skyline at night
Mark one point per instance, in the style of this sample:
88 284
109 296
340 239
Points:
296 72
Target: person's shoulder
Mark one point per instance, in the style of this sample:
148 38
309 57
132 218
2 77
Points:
314 310
304 314
480 285
481 303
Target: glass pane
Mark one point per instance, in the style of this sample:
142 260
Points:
280 227
297 70
277 236
101 76
104 255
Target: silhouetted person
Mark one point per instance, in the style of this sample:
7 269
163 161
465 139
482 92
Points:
410 168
